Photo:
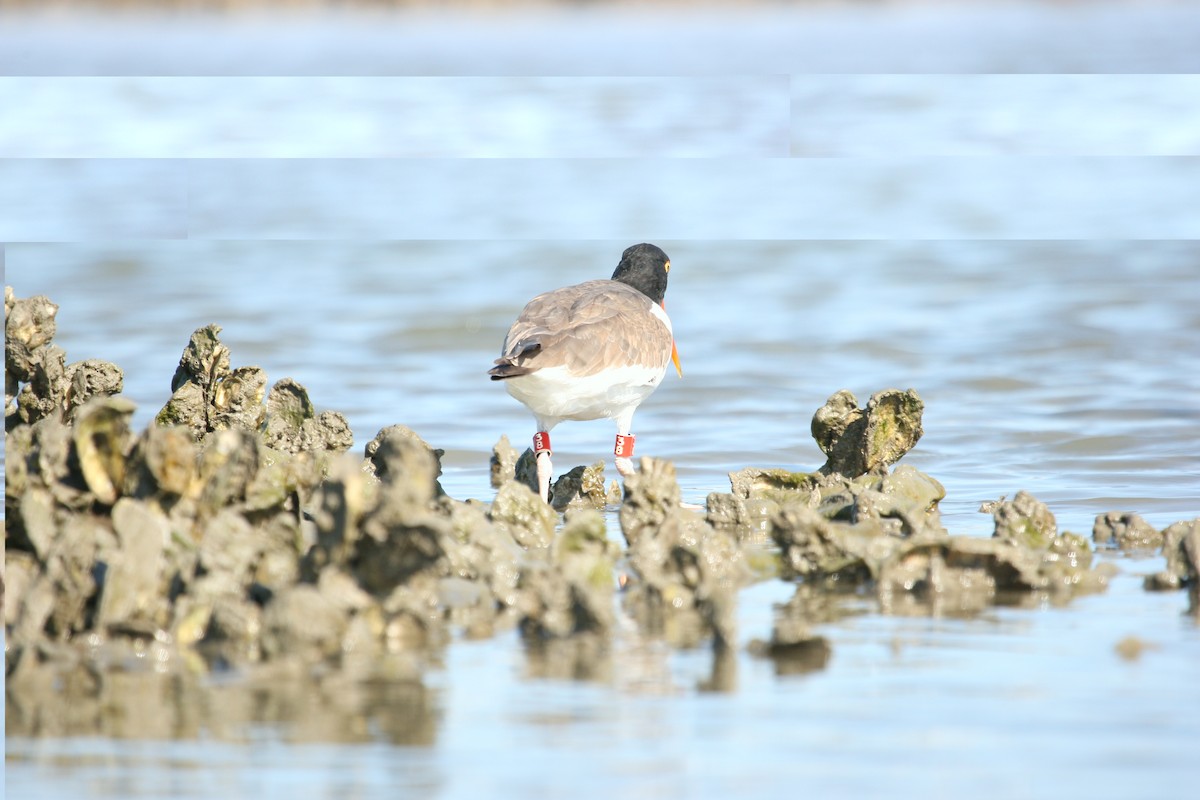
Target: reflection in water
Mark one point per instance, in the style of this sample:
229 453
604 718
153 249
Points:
800 658
724 677
634 664
144 704
584 657
794 647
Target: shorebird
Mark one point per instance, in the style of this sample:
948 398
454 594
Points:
595 350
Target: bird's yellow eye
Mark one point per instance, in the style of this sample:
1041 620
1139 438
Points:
667 267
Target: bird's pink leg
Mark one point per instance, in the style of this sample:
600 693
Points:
541 451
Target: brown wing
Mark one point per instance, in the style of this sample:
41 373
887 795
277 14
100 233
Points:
585 328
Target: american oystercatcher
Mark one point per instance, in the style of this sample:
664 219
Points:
592 351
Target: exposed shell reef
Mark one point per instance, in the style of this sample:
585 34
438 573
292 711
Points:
236 532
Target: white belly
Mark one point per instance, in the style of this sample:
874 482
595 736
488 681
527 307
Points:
553 393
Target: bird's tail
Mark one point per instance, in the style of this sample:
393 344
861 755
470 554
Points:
507 366
506 369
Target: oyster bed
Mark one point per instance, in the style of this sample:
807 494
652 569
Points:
236 535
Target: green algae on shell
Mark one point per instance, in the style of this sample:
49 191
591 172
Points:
520 511
860 440
1024 520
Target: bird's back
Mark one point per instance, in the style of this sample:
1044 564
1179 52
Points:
586 328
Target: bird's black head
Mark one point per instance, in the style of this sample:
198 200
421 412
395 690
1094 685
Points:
645 268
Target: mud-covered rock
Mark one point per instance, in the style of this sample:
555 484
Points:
525 470
404 534
229 461
209 396
204 360
1181 548
302 624
1126 531
907 495
775 484
163 464
815 547
503 463
484 552
188 532
203 364
425 560
237 402
746 518
581 487
72 567
572 593
20 568
229 546
857 440
18 447
831 421
31 598
688 572
964 575
292 425
395 548
725 511
39 383
131 591
904 502
35 373
340 502
1024 520
388 454
29 324
57 466
232 529
233 631
929 571
90 379
652 497
518 510
43 395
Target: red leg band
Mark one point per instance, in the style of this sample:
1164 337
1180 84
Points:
541 442
624 446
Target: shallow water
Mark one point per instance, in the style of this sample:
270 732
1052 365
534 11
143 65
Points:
1028 702
1028 265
